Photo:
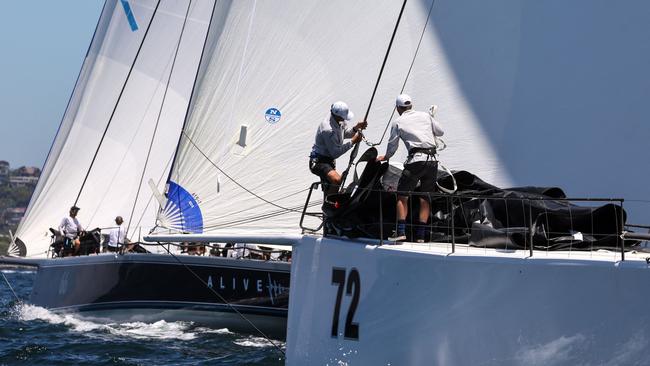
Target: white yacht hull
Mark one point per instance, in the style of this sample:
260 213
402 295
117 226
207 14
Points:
420 305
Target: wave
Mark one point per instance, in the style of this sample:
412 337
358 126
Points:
19 271
257 342
137 330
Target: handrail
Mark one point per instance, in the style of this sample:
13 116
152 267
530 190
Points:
313 214
529 221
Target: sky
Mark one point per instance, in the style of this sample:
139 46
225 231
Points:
43 46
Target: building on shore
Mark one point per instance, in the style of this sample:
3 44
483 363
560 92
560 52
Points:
5 171
22 180
11 216
23 176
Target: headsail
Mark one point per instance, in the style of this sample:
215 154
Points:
154 94
274 69
273 72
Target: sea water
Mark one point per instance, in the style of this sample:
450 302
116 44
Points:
32 335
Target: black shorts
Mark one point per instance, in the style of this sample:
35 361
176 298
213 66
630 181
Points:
112 249
321 168
68 243
424 172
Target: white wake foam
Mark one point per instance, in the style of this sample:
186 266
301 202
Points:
213 331
21 271
257 342
139 330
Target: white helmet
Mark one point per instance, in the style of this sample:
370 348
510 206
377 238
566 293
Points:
403 100
340 109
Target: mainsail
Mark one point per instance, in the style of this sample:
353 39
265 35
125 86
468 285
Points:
129 103
272 69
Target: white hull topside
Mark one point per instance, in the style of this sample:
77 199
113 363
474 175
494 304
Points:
418 304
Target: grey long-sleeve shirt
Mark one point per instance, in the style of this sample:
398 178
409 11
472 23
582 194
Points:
330 136
416 129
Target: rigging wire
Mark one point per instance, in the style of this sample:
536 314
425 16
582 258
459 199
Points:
233 179
230 214
355 150
117 103
10 287
162 105
277 347
251 219
415 55
187 111
117 172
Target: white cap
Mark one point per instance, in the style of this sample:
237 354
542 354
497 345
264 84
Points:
340 109
403 100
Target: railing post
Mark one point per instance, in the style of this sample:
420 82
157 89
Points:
453 229
530 227
381 220
619 230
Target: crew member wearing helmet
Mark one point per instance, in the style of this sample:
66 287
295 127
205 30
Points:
329 144
418 131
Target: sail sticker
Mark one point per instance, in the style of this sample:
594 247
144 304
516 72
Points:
182 211
272 115
129 15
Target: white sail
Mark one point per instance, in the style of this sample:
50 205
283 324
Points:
151 107
274 69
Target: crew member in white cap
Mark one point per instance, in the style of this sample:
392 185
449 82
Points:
417 130
329 144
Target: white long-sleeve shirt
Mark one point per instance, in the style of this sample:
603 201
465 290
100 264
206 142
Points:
116 236
330 136
417 130
70 227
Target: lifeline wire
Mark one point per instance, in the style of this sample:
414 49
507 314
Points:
353 155
11 288
222 299
119 98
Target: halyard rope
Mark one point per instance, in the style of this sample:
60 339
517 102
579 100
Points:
117 103
162 104
355 150
415 55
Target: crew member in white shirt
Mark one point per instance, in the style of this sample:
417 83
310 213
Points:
418 131
71 230
117 236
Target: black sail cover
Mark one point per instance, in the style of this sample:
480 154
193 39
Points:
480 214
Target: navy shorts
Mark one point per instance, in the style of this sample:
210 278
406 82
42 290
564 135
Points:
423 172
321 168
